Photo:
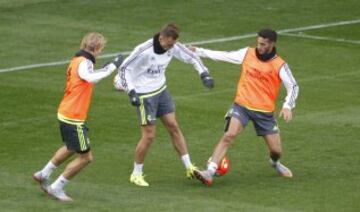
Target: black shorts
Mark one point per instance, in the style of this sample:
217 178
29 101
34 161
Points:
264 122
75 137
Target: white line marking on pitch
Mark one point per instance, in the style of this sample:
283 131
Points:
218 40
315 37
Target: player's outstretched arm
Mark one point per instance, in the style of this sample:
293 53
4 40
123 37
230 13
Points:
235 57
87 73
183 54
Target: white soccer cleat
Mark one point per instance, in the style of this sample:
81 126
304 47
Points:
281 169
43 182
59 195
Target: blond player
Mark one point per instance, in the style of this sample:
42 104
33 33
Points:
262 73
72 113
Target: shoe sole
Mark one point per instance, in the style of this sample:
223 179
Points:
201 178
61 200
133 182
287 175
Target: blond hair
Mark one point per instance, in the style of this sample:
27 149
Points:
93 41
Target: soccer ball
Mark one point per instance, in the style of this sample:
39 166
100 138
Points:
223 166
117 83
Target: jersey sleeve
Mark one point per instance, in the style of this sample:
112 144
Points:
235 57
292 88
185 55
86 71
129 66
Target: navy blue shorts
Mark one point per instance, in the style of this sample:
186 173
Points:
264 123
75 137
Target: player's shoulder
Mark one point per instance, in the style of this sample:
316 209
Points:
144 46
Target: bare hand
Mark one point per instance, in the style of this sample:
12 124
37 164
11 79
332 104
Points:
192 48
286 113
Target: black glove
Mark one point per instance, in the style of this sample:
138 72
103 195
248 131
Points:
118 60
134 98
207 80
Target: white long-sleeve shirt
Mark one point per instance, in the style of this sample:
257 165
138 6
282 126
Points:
237 57
86 71
144 70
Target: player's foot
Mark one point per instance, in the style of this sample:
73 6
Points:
43 181
190 171
59 195
281 169
138 180
204 176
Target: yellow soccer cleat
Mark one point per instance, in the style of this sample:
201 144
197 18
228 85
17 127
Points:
138 180
190 171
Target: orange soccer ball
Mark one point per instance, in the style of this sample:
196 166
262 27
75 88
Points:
223 166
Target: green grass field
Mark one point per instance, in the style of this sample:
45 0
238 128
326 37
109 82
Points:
321 144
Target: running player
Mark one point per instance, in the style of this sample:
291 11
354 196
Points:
72 113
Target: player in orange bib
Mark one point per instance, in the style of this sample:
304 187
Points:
72 113
263 72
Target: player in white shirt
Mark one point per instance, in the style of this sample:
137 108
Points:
142 76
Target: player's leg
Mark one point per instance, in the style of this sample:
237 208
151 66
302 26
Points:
179 142
175 133
235 127
76 140
273 142
236 120
147 119
56 189
148 135
266 126
61 155
166 112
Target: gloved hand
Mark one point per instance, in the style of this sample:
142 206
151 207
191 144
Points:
207 80
117 61
134 98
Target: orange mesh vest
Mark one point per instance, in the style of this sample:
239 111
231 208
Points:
76 101
259 82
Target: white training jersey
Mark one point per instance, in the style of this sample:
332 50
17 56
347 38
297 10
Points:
237 57
144 70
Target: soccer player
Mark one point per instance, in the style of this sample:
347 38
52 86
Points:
72 113
262 73
143 78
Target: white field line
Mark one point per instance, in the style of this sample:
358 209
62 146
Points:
315 37
218 40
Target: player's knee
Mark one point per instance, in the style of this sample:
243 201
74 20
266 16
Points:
87 158
173 128
148 137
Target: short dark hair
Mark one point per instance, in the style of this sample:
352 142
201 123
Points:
170 30
268 33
